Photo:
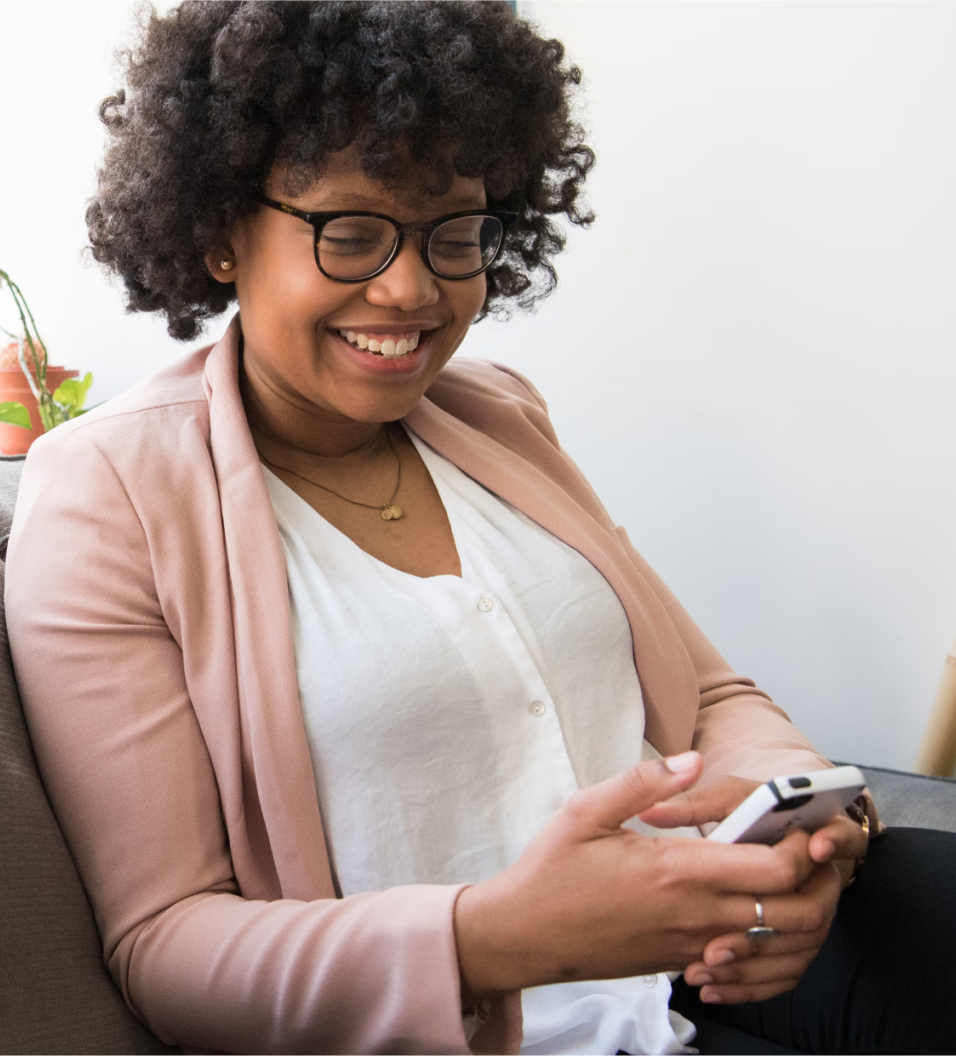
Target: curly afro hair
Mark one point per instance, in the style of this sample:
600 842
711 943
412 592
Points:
220 92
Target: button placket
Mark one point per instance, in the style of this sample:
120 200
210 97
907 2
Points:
547 735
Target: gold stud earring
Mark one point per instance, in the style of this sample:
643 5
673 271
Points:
226 265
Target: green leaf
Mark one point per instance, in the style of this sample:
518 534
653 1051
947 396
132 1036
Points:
15 414
71 395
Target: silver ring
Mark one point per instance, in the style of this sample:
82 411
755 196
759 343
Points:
760 930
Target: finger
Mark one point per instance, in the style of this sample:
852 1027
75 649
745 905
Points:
606 806
814 904
806 912
758 970
742 993
741 947
746 867
701 804
839 838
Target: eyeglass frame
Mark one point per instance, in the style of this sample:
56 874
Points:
318 220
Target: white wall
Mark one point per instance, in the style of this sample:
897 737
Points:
56 64
751 352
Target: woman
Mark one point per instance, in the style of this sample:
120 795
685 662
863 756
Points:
338 673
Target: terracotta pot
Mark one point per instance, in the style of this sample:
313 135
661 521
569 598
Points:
15 440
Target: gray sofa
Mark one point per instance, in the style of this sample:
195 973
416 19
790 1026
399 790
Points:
55 994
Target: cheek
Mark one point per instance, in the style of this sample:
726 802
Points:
278 280
468 298
287 281
290 294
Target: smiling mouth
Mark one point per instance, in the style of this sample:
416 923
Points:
391 346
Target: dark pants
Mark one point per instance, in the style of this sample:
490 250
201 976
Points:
885 979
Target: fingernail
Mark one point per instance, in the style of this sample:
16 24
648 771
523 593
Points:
825 849
682 764
703 980
711 998
725 957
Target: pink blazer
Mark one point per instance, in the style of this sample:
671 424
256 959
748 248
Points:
149 621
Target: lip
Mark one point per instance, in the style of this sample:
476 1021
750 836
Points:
386 328
384 365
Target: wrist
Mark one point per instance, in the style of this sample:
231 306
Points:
857 812
479 963
491 955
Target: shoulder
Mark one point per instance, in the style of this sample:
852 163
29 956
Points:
135 416
483 377
153 434
179 385
492 398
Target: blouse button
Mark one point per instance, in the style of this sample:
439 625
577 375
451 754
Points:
538 708
650 981
485 604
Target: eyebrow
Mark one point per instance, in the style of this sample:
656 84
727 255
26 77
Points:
349 200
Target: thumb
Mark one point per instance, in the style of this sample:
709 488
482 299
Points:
608 805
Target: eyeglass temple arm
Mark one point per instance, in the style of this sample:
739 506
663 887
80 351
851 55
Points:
283 208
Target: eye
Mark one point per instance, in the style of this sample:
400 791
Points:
465 245
356 236
455 247
458 237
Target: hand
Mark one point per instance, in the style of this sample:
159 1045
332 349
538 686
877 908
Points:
589 899
841 841
736 968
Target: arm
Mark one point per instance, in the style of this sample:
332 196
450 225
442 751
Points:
739 729
133 784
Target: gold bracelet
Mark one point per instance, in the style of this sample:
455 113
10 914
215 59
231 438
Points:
858 814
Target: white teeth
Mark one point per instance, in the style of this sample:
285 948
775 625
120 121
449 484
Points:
387 347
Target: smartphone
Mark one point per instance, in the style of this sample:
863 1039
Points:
794 801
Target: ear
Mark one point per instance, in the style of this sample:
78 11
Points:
221 263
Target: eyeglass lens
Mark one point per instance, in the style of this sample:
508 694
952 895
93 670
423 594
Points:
354 247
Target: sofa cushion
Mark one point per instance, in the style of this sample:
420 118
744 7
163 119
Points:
55 993
913 800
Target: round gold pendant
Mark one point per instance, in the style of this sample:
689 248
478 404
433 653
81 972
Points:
392 513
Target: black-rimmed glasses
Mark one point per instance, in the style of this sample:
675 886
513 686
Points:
356 246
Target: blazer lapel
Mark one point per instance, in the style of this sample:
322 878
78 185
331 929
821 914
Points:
276 758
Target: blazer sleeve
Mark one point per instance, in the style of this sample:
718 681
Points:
739 730
130 778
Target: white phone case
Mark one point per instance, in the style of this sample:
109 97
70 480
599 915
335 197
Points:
794 801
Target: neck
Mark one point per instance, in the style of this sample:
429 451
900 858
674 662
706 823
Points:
290 427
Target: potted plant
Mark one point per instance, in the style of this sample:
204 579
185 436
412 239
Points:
34 396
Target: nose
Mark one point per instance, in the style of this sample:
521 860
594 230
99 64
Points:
406 283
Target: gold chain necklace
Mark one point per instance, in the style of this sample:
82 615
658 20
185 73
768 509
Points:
389 511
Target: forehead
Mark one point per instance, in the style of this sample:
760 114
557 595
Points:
342 184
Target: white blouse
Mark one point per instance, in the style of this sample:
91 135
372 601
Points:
449 718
